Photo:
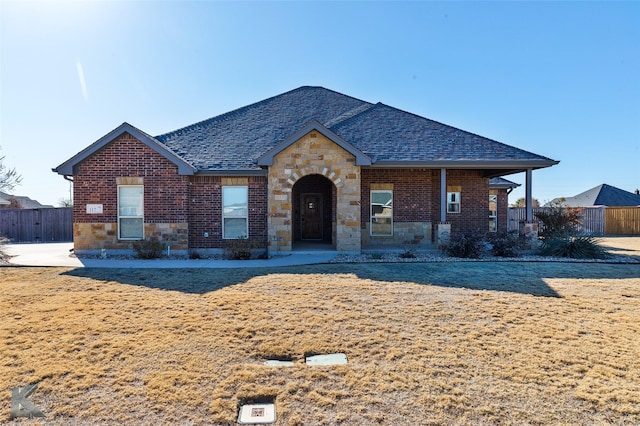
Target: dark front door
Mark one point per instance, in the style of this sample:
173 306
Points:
311 216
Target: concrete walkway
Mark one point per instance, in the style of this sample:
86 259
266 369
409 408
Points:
59 254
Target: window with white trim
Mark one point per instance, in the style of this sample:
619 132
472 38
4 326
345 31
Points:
235 212
130 212
381 212
493 213
453 202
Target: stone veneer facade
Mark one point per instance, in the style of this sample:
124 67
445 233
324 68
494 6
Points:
314 154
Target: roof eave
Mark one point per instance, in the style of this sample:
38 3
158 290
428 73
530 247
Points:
507 165
67 168
258 172
361 158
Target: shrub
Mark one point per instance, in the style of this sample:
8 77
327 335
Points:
506 244
575 247
465 246
408 252
238 249
4 256
150 248
559 221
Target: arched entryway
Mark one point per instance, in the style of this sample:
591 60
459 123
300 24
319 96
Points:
314 212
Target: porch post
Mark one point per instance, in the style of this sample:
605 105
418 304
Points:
528 200
443 195
529 228
443 229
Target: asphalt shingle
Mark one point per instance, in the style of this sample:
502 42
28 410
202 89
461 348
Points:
235 140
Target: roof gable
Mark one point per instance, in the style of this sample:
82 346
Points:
267 158
67 168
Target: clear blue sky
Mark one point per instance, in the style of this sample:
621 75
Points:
561 79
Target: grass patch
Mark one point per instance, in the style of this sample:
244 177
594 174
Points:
459 343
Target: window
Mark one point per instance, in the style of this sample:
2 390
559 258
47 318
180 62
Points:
235 212
131 212
493 213
381 213
453 202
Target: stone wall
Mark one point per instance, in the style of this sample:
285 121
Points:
314 154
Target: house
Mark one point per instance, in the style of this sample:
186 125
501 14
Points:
20 202
601 195
310 164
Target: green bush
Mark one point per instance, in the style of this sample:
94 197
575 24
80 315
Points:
506 244
465 246
575 247
150 248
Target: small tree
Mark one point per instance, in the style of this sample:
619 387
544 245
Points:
522 202
559 221
9 178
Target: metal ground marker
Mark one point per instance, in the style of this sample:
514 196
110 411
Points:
254 414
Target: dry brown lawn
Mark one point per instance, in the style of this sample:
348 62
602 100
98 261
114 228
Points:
433 343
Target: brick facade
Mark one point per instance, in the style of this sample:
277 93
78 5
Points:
186 211
474 201
205 195
128 161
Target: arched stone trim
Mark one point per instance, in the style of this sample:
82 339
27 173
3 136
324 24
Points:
313 170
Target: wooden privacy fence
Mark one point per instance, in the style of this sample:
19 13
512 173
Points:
622 221
595 220
46 225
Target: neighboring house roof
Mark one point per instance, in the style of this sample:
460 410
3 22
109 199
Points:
601 195
502 183
25 202
246 139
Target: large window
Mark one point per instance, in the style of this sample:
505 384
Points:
235 212
130 212
453 202
381 212
493 213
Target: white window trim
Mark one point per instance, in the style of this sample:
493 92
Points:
458 203
246 234
371 216
130 217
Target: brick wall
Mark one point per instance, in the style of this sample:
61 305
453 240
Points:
95 182
127 160
416 197
474 204
205 193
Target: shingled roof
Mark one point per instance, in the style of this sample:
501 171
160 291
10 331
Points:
243 141
388 136
601 195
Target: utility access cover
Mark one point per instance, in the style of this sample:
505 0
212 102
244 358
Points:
255 414
327 359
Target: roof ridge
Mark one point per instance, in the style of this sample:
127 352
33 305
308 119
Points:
230 114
